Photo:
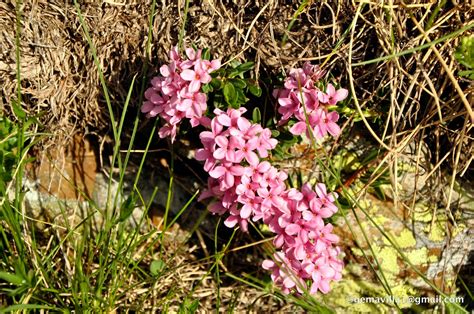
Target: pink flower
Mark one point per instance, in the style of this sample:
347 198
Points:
335 96
227 172
326 122
225 150
245 149
196 77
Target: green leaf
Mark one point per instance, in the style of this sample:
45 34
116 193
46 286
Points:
371 156
206 54
240 69
468 73
230 94
18 110
256 115
188 306
218 72
156 267
216 83
241 98
244 67
238 83
12 278
207 88
465 52
127 207
255 90
379 193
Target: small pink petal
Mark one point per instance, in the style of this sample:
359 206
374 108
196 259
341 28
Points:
231 221
245 212
320 189
333 129
188 75
341 94
268 264
194 86
292 229
217 172
299 128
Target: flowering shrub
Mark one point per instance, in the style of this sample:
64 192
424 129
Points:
242 182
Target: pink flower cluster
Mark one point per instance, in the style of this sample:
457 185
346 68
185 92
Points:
246 187
175 94
308 259
300 98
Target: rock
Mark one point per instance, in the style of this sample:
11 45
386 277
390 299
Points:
67 187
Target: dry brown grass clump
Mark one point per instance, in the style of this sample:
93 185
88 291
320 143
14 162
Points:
60 79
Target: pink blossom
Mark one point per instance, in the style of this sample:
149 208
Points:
196 77
301 99
335 96
326 122
174 94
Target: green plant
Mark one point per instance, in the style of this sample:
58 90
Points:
465 56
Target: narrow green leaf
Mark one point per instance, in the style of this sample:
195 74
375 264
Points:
19 307
230 94
255 90
454 308
468 73
238 83
18 110
256 115
127 207
241 98
465 52
379 193
206 54
244 67
12 278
